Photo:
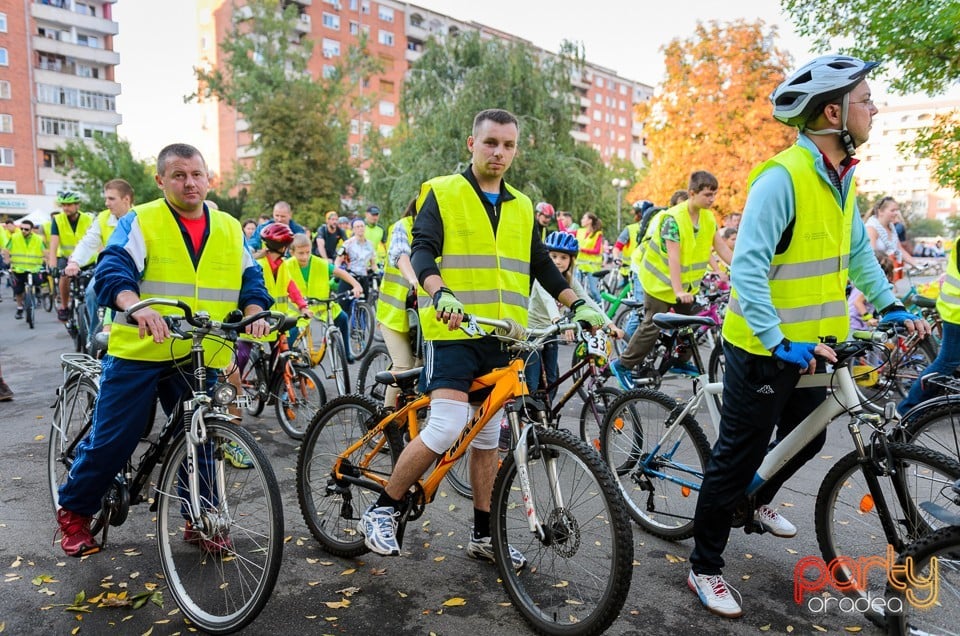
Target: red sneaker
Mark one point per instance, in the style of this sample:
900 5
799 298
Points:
213 545
75 528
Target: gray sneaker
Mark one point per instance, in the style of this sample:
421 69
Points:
482 550
379 529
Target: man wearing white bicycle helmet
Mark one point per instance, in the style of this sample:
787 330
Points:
800 238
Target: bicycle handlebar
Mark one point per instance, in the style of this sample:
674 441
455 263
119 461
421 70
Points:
201 320
344 295
510 330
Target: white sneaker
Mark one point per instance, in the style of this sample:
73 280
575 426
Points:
379 529
482 550
715 594
774 522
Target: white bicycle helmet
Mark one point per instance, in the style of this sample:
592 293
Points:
825 79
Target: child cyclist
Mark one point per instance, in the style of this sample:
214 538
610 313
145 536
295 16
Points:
311 276
544 310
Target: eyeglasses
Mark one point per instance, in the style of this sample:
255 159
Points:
866 102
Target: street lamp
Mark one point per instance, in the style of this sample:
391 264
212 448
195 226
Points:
620 185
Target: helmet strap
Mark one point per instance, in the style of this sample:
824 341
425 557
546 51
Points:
845 137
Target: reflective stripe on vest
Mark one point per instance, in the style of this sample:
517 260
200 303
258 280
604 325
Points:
317 287
276 284
25 256
589 262
392 303
214 286
489 274
694 254
948 302
808 280
69 236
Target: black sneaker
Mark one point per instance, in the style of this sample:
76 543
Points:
19 315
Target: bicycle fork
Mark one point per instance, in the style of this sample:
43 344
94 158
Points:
529 446
201 513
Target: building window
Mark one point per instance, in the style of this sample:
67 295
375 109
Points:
386 86
598 98
59 127
385 13
8 187
416 20
3 22
353 5
49 159
386 130
354 127
5 89
623 105
6 156
328 71
387 109
385 38
354 28
366 127
365 7
596 131
331 21
622 121
6 123
85 9
85 70
331 48
354 150
597 115
88 40
3 57
599 82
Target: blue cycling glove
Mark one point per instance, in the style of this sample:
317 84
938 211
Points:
896 315
798 353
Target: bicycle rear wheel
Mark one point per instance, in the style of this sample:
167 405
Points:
593 412
943 615
334 364
847 517
300 394
659 467
362 323
72 418
377 359
332 507
47 298
577 579
252 383
222 570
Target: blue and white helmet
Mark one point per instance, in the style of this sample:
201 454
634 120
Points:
821 80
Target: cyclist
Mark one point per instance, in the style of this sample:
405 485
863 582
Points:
673 264
118 195
24 252
482 230
590 238
545 213
623 250
375 233
398 294
174 247
65 232
329 237
358 255
544 310
283 215
799 235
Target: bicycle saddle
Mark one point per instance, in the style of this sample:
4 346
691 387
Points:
676 321
404 380
630 302
923 301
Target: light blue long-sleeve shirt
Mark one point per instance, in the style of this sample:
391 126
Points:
769 210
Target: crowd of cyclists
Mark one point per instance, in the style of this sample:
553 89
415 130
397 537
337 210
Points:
786 258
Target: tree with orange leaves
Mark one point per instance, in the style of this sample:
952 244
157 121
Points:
713 112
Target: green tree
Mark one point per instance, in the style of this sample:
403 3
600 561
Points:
90 165
454 80
917 43
298 123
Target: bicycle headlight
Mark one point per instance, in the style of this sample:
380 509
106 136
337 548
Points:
224 394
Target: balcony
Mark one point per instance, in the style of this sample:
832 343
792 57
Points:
68 78
85 115
303 23
580 136
303 3
67 18
412 56
76 51
583 120
417 32
580 82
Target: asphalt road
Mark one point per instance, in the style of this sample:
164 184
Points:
402 595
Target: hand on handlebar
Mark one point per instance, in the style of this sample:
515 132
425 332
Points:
357 291
898 316
684 297
584 313
258 328
802 354
449 308
72 269
151 323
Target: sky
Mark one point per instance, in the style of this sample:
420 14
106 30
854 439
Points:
157 43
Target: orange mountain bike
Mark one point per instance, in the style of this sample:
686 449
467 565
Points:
553 499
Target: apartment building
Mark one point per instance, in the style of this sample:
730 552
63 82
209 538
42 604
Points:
56 83
887 171
397 33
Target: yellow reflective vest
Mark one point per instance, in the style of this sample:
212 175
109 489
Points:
213 286
808 280
489 274
948 302
589 262
629 247
106 230
26 255
392 303
318 285
68 236
694 254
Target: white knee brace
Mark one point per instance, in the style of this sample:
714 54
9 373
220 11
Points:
446 420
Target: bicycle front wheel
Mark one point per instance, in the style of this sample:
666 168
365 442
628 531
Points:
659 465
221 568
47 299
847 516
300 394
935 559
377 359
331 506
362 323
577 577
29 306
936 425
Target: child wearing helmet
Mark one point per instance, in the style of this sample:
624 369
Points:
544 310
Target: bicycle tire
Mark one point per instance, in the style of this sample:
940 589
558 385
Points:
339 370
716 368
846 518
577 581
72 417
221 593
936 425
253 383
592 413
944 616
621 320
362 323
331 510
576 356
82 330
893 382
661 497
29 306
299 395
47 299
377 359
